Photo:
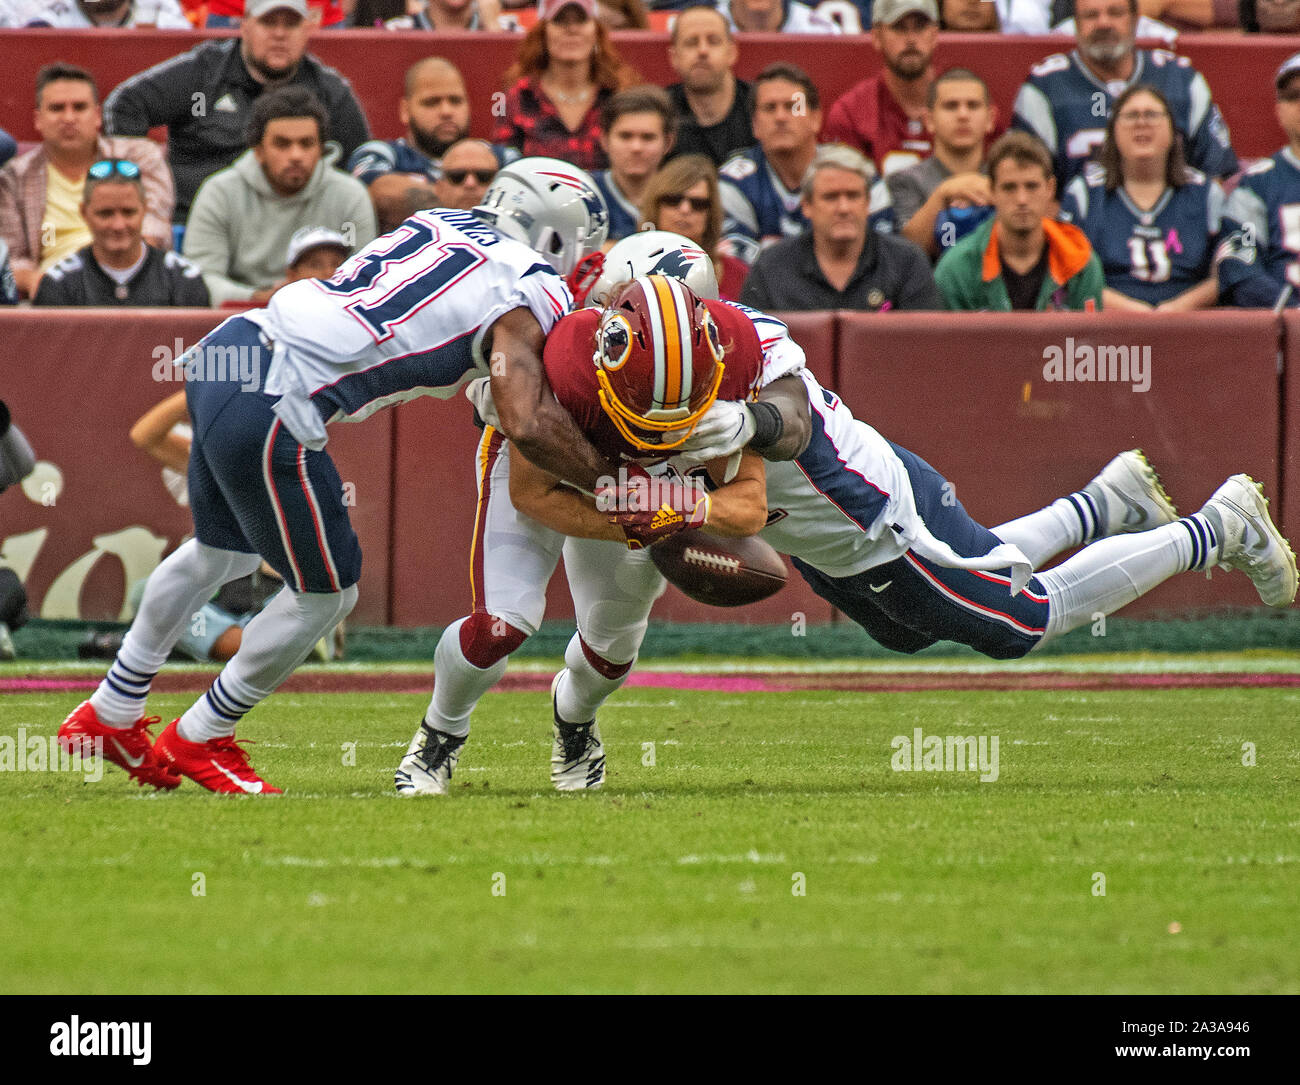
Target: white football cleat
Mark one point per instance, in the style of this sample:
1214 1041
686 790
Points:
1129 496
429 762
1249 541
577 754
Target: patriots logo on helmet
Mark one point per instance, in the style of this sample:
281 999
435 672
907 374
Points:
676 262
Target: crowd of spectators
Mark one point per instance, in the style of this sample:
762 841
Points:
1113 184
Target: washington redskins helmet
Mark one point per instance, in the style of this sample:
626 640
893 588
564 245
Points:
552 207
658 362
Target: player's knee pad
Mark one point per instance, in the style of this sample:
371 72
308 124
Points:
607 669
486 638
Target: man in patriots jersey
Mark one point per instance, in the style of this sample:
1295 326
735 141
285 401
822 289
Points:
399 173
417 312
1068 98
876 531
761 186
1259 260
515 552
636 130
1152 220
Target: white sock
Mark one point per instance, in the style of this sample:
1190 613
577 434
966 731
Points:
273 645
1066 522
581 689
1112 572
176 591
458 684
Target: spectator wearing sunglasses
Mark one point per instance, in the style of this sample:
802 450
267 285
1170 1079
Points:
636 132
41 190
683 197
244 217
118 268
467 169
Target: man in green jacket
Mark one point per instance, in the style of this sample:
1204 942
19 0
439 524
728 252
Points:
1021 258
245 215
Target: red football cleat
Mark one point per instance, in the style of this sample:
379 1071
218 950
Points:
219 764
130 747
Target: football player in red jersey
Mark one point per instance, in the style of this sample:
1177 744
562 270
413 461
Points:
646 377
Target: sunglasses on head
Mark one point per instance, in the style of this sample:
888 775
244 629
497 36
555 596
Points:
107 167
458 177
674 199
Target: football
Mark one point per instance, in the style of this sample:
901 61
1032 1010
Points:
720 572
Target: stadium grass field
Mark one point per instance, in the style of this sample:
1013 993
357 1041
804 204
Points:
682 875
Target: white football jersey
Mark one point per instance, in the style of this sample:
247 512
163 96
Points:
846 504
402 318
835 505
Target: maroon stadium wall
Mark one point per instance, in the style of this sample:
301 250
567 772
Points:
970 392
1239 69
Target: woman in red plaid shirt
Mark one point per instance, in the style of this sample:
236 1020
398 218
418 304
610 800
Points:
565 70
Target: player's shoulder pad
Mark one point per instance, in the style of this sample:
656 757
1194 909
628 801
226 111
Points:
739 166
1057 62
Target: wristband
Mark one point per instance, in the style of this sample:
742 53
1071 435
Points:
768 425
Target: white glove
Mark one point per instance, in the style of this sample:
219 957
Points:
479 393
725 428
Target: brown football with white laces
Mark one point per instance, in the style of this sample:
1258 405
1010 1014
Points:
717 571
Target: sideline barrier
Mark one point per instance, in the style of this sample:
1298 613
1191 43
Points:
76 381
976 404
965 391
1239 68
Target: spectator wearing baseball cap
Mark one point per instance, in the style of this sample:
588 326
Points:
883 116
1258 260
204 98
315 252
226 14
565 71
785 16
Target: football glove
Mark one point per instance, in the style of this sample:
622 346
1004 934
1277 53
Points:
726 427
674 505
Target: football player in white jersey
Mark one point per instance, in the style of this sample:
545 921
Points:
876 531
420 311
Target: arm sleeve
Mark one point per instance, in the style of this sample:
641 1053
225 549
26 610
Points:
372 160
755 292
158 95
1243 279
950 282
348 125
1032 113
1091 283
919 290
906 196
11 222
1210 147
53 291
739 223
207 244
1074 204
159 189
188 290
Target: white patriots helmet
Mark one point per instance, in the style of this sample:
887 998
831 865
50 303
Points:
654 252
551 206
